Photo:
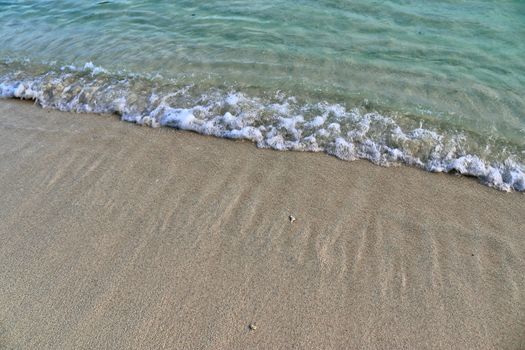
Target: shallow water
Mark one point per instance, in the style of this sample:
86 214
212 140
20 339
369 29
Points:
438 85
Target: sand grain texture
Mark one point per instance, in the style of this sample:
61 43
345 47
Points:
115 236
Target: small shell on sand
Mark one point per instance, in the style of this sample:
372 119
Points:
292 218
252 326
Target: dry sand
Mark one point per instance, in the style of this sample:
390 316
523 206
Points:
114 236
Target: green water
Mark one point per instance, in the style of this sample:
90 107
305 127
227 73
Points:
454 67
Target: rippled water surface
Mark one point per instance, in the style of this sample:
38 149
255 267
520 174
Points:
437 84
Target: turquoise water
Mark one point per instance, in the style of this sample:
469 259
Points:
438 85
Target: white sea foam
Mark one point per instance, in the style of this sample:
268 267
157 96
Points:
280 123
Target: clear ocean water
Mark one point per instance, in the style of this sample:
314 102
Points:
434 84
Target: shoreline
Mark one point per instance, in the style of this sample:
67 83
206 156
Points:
117 236
330 128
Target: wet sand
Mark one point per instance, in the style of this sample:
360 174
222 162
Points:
115 236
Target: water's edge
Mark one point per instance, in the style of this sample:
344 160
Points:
281 122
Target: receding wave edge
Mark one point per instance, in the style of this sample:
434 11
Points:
280 123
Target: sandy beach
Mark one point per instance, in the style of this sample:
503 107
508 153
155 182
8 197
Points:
116 236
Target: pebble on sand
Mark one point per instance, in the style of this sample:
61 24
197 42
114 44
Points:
252 326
